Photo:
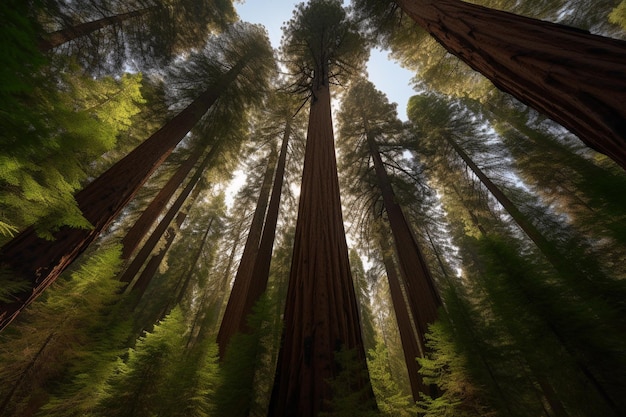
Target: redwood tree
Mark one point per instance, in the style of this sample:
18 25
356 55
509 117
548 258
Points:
234 314
575 78
153 31
366 116
321 314
245 51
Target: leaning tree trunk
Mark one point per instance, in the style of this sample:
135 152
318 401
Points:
321 313
59 37
40 261
564 265
261 269
163 225
585 281
147 274
410 342
234 314
575 78
151 213
422 293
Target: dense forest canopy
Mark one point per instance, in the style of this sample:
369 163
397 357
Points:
469 261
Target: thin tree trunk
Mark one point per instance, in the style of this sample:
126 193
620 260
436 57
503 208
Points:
558 333
145 278
151 213
563 264
233 315
321 314
423 296
189 274
59 37
156 235
261 269
24 373
575 78
410 341
41 261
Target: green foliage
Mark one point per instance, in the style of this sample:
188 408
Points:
349 396
138 385
71 330
51 139
447 368
321 42
391 400
19 55
618 15
243 390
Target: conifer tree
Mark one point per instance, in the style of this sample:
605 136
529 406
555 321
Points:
245 51
361 127
532 60
519 288
106 34
321 315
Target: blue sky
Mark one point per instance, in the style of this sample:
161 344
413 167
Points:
388 76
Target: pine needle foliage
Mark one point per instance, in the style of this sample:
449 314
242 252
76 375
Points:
61 345
392 402
349 399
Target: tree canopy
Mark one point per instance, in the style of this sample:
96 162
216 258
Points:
184 232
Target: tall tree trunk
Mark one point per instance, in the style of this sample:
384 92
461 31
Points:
422 293
59 37
321 314
575 78
561 265
161 228
145 278
186 279
261 269
233 315
410 342
151 213
582 280
41 261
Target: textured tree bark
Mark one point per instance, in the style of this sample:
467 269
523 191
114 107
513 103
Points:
163 225
321 314
410 341
145 278
575 78
59 37
41 261
234 313
156 206
261 269
424 300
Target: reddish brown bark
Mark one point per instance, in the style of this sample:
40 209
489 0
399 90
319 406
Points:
41 261
424 300
59 37
234 314
161 228
321 313
156 206
142 283
261 269
575 78
410 341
